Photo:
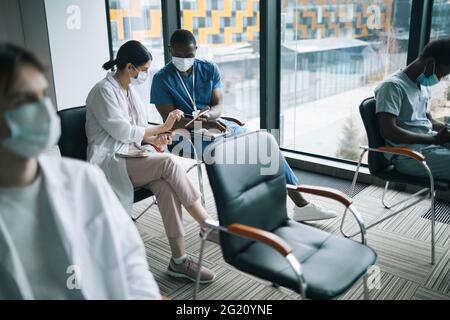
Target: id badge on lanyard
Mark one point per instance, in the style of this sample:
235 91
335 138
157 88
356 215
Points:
191 97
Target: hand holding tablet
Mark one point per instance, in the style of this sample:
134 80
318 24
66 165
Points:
197 116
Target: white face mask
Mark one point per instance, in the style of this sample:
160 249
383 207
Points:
141 77
183 64
34 128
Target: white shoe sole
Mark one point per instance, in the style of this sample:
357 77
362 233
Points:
182 275
312 218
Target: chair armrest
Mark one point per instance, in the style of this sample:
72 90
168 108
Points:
262 236
338 196
270 239
324 192
404 151
398 151
235 120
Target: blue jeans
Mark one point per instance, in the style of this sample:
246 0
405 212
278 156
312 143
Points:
437 158
235 130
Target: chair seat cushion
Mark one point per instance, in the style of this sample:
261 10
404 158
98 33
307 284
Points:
330 263
141 194
392 175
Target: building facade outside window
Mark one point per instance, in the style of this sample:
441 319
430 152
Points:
140 20
227 32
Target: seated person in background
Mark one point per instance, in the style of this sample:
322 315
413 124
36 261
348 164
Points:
189 84
63 232
116 122
402 107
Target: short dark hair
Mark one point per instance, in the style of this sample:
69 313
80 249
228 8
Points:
183 36
439 50
132 52
12 57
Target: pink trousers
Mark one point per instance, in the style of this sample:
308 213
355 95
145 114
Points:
169 182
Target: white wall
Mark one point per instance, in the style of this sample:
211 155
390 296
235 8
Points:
35 35
78 39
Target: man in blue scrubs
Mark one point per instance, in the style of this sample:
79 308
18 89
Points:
404 115
190 85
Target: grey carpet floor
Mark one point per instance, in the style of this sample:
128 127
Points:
442 212
402 244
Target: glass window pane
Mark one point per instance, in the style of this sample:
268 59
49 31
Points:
140 20
440 23
227 32
333 54
440 28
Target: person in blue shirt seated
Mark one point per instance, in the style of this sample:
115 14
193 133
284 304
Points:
190 85
403 111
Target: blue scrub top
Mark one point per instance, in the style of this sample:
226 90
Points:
168 89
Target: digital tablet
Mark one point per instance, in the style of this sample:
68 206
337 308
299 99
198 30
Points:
202 112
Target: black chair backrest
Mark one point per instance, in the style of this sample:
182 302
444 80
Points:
377 161
244 193
73 141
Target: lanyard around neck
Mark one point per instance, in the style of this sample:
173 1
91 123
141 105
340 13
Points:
192 98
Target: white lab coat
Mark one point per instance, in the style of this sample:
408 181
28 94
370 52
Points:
109 131
98 237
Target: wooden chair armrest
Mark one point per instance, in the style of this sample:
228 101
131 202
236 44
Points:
324 192
403 151
235 120
262 236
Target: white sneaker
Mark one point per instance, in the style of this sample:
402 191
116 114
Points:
312 212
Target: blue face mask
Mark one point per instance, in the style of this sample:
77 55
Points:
425 81
34 128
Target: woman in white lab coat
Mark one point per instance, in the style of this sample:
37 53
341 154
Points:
116 128
63 232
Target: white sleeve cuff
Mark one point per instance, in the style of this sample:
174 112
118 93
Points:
137 134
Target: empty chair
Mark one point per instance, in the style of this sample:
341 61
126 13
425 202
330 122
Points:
257 235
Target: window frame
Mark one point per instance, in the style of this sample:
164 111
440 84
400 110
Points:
419 35
270 54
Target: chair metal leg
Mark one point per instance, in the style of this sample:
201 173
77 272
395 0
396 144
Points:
198 165
432 194
355 176
200 182
409 205
433 210
433 223
423 193
383 201
366 289
297 268
412 196
200 259
142 213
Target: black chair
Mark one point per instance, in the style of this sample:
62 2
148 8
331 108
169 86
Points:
257 237
383 169
73 144
193 154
